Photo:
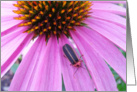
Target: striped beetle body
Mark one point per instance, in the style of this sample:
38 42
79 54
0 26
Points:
71 55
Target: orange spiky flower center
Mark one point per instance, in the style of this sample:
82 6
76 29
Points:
51 17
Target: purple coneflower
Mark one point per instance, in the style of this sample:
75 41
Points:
98 29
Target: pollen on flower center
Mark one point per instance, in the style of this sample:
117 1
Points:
51 17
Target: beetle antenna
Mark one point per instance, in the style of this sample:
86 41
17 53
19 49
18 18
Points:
81 56
76 71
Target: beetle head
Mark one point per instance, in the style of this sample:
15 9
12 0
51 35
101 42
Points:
78 64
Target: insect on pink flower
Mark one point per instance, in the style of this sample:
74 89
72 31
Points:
98 28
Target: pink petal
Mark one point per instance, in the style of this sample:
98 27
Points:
81 81
8 4
108 7
24 72
123 2
13 29
7 9
101 74
41 69
7 15
110 17
112 32
50 70
7 18
11 35
106 50
8 24
8 48
11 51
7 12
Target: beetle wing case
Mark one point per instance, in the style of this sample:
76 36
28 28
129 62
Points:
70 54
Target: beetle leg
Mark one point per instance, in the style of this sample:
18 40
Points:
75 72
81 56
80 60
